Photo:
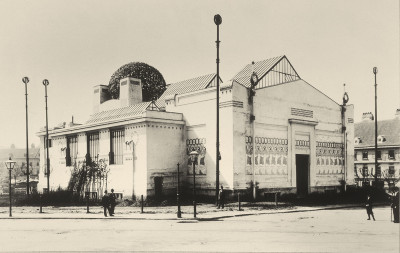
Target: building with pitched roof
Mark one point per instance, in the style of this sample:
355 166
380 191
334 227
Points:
19 176
388 152
277 133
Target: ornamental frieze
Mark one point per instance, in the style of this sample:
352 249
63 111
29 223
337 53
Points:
329 156
270 156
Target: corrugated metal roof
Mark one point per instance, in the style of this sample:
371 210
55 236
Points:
260 67
365 130
186 86
119 113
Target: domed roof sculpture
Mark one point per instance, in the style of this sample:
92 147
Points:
153 83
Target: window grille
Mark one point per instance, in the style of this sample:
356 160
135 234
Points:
72 150
116 146
92 147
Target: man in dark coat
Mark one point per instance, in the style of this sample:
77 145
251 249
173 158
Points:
112 202
395 207
221 198
368 206
105 201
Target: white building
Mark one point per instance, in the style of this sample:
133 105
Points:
388 151
288 137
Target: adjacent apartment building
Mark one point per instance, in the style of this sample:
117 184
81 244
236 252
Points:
388 152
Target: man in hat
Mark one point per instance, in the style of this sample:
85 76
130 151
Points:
112 202
105 201
395 206
368 206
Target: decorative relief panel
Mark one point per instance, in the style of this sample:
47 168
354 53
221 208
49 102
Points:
199 145
270 156
329 158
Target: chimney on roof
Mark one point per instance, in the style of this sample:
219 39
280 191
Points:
397 115
367 116
100 95
130 91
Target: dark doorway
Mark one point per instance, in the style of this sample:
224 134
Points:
158 181
302 174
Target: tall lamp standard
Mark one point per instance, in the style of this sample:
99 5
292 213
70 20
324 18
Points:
179 213
46 83
375 70
10 166
25 80
217 21
193 158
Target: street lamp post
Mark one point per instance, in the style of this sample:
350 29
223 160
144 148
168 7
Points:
25 80
254 81
375 70
10 166
217 21
46 83
193 158
179 214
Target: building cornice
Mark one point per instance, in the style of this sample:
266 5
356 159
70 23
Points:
114 123
379 147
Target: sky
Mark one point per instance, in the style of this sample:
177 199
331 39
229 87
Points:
79 44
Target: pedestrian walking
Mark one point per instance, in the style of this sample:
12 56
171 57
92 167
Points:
221 198
112 202
105 201
368 206
395 207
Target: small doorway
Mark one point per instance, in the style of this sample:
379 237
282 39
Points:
302 174
158 182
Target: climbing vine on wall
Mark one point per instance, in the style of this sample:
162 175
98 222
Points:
90 177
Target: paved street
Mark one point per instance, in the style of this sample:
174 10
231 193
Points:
341 230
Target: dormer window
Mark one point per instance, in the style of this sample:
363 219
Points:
357 140
381 138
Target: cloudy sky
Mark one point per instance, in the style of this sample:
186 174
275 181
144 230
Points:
79 44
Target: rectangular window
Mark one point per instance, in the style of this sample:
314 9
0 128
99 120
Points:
45 143
92 147
378 155
365 155
391 154
355 156
391 170
378 171
117 138
365 171
72 150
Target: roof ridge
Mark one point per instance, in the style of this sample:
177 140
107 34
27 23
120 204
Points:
190 79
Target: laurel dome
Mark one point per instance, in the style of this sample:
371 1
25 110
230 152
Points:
153 83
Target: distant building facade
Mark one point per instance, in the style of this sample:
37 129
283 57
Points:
281 134
18 174
388 152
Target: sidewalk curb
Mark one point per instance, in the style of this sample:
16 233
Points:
184 220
